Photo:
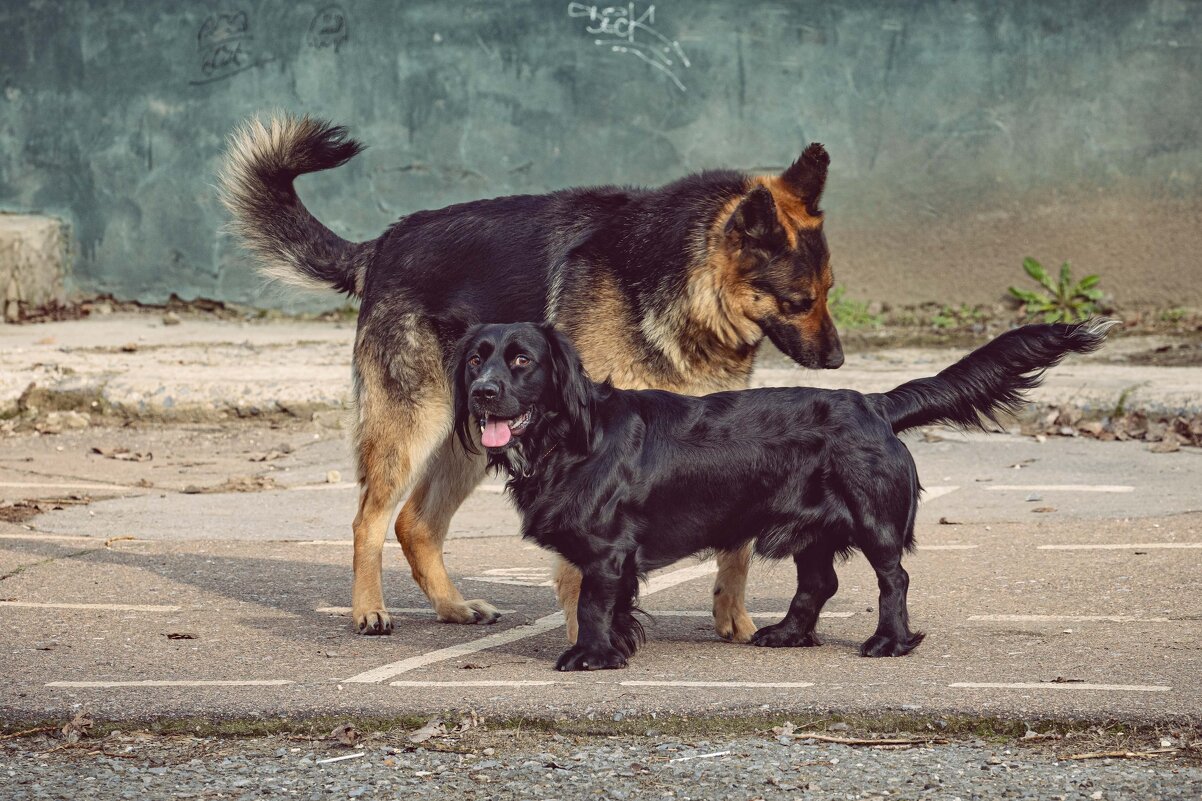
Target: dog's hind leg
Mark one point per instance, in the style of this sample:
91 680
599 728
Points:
817 582
403 409
567 590
731 620
421 528
883 548
388 461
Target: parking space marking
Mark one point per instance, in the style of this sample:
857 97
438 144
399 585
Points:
1067 619
481 683
541 626
1063 685
385 672
172 683
748 684
99 607
1059 488
403 610
1119 546
702 613
931 493
347 543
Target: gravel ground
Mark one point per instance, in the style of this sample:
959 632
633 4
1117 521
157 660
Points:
510 765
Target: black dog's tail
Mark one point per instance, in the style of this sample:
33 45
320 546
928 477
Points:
990 380
263 159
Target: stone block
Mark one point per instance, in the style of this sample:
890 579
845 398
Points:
34 254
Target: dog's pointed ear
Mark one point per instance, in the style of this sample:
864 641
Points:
457 375
573 387
754 222
807 176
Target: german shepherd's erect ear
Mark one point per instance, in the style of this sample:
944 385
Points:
571 387
807 177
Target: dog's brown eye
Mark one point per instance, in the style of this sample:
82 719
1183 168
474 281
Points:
474 361
521 360
797 306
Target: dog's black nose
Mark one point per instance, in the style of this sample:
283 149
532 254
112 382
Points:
833 360
485 390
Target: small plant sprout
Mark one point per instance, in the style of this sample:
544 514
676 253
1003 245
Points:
1064 301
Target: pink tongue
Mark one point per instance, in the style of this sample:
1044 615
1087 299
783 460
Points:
496 433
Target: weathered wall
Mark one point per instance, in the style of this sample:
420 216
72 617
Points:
964 135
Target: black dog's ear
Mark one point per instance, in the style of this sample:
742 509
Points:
457 374
573 387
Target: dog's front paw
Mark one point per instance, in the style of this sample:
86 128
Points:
580 657
880 645
475 611
372 622
783 635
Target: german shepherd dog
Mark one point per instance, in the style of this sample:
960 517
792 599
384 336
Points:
621 482
671 288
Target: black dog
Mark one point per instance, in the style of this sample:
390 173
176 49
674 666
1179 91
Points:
622 482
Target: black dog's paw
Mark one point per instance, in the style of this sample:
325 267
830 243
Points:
580 657
781 635
880 645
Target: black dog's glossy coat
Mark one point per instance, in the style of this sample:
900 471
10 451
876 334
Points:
623 482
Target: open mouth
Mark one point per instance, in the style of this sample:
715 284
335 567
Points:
496 432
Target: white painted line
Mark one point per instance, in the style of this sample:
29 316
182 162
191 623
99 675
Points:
51 537
76 485
482 683
100 607
1061 685
1067 619
1059 488
403 610
540 626
922 547
172 683
748 684
667 580
701 613
342 543
1120 546
931 493
385 672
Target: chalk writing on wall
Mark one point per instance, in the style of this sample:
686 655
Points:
225 47
329 28
623 29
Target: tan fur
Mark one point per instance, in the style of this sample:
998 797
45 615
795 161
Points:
399 425
421 528
731 620
790 207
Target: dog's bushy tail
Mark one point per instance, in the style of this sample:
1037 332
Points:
261 162
990 380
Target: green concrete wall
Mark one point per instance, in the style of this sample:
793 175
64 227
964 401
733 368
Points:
964 135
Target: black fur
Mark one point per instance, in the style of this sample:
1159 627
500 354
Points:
623 482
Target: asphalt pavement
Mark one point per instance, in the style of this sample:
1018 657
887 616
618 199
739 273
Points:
198 565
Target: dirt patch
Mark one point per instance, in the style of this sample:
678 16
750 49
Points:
23 510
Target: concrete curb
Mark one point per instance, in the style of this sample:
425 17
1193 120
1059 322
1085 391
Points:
135 367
